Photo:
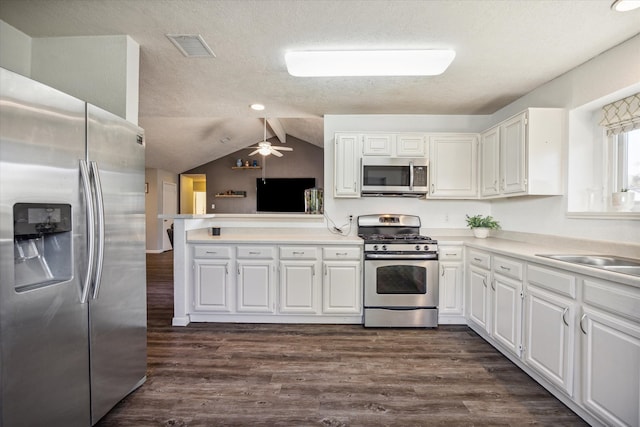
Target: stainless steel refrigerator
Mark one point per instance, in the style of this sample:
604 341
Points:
72 257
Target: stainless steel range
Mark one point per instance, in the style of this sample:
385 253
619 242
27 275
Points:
400 272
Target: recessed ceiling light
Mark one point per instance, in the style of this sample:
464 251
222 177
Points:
428 62
625 5
257 107
191 45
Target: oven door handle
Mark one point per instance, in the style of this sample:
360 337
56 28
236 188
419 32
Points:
401 257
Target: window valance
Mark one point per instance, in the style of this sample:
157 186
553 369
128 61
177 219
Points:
622 116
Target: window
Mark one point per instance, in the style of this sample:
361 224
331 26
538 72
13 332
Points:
627 162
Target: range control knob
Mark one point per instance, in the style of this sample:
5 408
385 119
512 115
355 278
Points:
426 247
375 247
384 247
417 247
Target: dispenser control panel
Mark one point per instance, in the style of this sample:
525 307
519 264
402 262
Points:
36 219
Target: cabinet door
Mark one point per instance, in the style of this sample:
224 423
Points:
451 289
490 162
479 297
341 287
212 285
507 313
347 165
255 286
453 166
512 155
611 368
377 145
411 145
550 336
299 287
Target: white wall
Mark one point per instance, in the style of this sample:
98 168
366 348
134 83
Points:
15 50
433 213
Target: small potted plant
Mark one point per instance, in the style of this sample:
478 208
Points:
480 225
622 200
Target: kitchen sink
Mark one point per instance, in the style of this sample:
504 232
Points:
605 262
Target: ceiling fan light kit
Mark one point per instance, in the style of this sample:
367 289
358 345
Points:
265 148
426 62
625 5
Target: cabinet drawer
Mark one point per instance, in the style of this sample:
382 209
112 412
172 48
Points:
450 253
562 283
211 251
298 252
508 267
256 252
341 253
617 299
480 259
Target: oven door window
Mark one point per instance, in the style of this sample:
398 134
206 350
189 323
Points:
401 279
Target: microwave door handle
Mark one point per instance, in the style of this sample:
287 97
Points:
410 176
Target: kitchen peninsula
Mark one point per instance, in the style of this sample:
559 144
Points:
316 270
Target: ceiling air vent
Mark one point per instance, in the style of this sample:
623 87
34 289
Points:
191 45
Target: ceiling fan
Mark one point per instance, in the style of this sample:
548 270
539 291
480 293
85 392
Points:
265 148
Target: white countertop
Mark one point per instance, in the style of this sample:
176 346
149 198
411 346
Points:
273 237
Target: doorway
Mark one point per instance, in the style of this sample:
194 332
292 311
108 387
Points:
169 207
193 194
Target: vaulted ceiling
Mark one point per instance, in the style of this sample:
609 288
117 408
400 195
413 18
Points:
195 110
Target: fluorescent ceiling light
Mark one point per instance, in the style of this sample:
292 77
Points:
625 5
430 62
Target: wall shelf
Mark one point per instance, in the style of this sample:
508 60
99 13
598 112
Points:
246 167
229 196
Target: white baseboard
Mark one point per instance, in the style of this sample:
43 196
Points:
154 251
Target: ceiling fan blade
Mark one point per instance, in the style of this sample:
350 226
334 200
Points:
253 152
282 148
275 153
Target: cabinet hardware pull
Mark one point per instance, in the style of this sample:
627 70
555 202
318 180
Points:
212 252
313 270
298 253
477 259
581 327
484 282
505 268
341 254
450 254
442 268
493 285
564 313
254 253
325 269
226 269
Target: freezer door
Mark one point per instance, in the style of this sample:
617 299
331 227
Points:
44 359
117 306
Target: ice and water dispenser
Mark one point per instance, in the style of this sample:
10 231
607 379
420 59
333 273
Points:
42 241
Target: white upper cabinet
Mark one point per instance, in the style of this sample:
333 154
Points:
523 155
411 145
347 165
490 162
453 166
377 144
395 144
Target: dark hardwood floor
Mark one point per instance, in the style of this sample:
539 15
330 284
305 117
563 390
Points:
324 375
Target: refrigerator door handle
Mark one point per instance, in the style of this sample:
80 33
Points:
95 172
84 174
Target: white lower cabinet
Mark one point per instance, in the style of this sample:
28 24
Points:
479 296
506 325
255 286
507 294
550 325
610 329
212 285
451 285
341 287
300 280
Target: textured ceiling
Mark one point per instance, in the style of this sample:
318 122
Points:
504 48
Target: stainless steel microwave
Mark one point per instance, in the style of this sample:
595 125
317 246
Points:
394 177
